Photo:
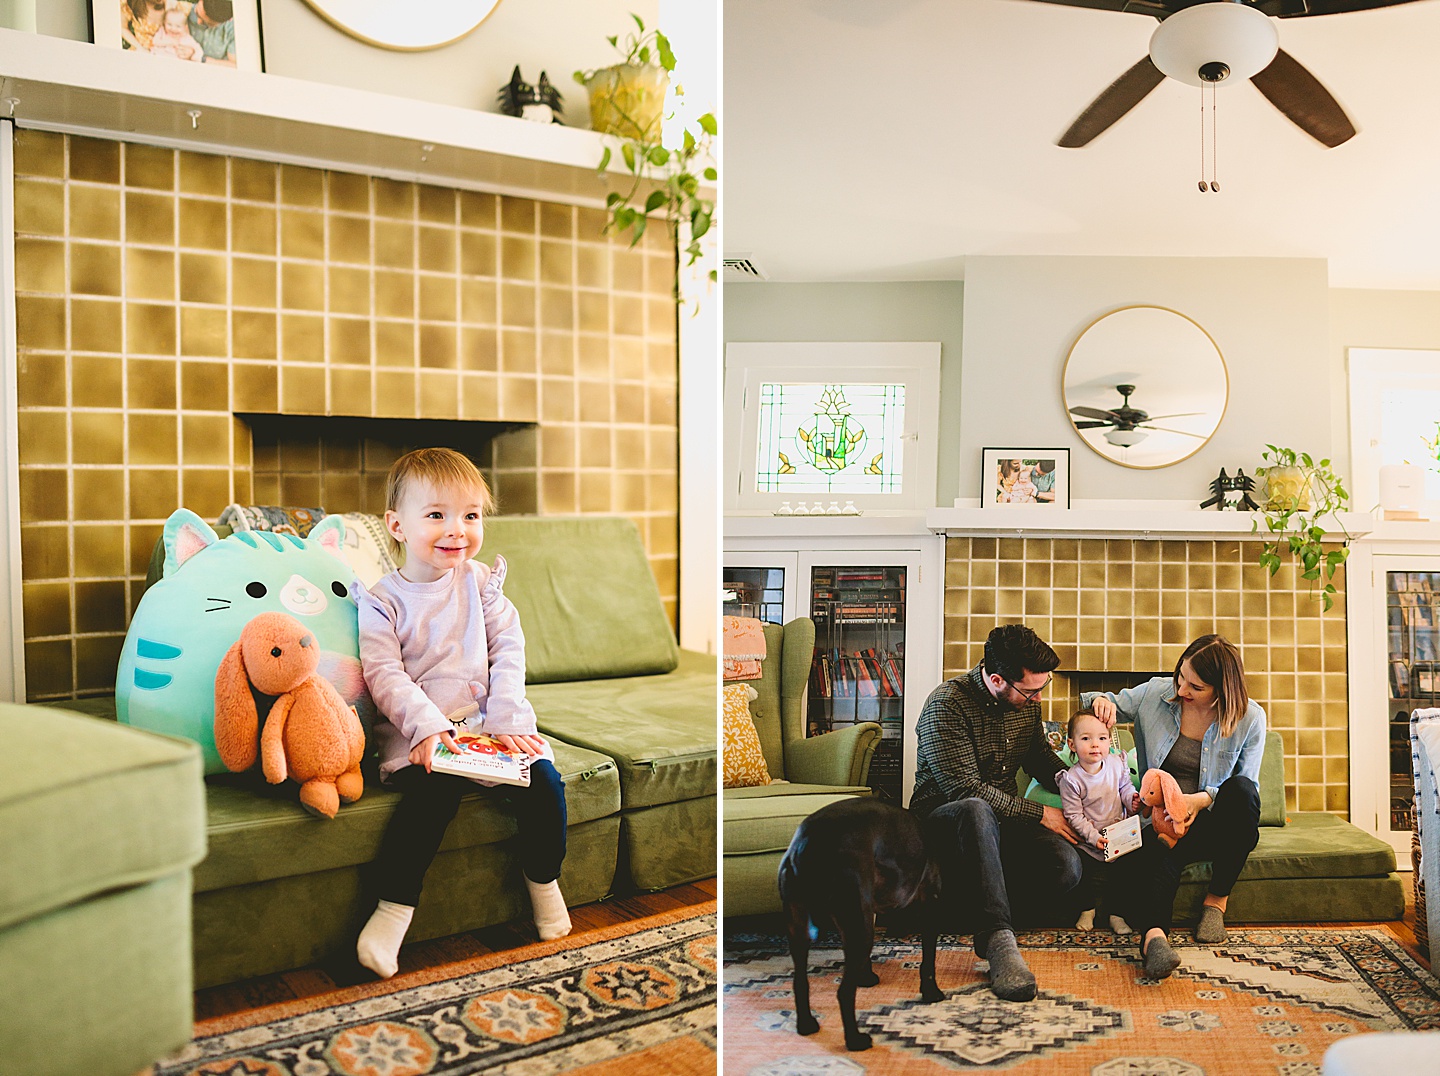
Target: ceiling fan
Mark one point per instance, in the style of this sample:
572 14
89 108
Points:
1203 42
1128 425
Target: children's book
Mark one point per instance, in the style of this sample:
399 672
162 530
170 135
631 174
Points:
1121 837
481 758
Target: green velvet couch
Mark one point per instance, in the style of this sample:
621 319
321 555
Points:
632 719
101 826
1308 867
812 771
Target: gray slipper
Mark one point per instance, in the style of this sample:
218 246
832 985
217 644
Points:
1010 978
1160 960
1211 928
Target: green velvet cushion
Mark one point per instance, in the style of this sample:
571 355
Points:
91 805
669 844
660 729
119 963
766 824
787 788
588 602
259 832
1313 845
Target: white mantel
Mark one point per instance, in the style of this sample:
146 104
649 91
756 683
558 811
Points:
1143 520
80 88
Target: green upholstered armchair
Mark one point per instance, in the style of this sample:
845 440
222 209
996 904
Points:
808 772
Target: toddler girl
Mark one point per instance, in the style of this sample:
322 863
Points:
438 638
1094 793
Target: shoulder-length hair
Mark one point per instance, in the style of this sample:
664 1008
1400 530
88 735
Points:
1216 663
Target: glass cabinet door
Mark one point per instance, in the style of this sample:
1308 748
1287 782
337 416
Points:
858 672
760 585
1412 633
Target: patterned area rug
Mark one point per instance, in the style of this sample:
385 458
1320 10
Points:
637 999
1270 1000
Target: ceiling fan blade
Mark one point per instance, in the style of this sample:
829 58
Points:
1091 425
1301 98
1094 412
1114 101
1183 414
1184 433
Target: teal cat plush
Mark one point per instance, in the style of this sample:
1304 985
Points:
210 589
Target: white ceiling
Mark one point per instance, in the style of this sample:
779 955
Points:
888 139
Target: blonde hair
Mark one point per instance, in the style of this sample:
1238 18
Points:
441 468
1216 663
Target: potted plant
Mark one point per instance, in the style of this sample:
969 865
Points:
1298 491
627 102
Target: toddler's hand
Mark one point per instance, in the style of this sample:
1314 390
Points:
528 744
423 751
1135 800
1101 842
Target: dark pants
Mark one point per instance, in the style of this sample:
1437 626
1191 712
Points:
1225 835
983 859
428 803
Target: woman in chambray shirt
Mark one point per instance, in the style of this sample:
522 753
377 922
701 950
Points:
1203 728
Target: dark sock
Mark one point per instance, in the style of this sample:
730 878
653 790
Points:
1211 928
1010 978
1160 960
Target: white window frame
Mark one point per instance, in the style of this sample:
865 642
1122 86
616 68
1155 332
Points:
1371 371
915 365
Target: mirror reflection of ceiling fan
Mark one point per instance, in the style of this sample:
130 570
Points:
1127 425
1204 42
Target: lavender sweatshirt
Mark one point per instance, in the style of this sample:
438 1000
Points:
428 650
1091 802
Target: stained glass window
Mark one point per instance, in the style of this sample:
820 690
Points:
843 439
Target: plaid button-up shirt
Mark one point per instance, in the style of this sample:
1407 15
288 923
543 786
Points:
971 744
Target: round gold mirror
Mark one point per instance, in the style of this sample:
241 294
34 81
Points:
409 28
1145 386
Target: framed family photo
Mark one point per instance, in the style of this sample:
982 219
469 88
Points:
221 33
1025 476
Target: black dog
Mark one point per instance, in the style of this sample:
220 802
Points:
846 862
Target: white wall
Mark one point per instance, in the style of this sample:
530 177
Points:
863 312
1269 317
558 36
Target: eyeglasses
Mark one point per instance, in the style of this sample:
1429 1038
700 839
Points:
1028 696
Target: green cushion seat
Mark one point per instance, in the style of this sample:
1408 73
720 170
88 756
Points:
795 788
260 832
1313 845
660 729
766 824
138 794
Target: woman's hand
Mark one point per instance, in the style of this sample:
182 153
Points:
1104 709
422 752
1195 802
528 744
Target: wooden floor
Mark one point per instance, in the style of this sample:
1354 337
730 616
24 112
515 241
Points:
320 979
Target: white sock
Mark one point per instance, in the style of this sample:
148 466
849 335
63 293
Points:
552 918
1086 920
379 946
1119 926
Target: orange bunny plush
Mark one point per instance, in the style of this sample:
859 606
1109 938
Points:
310 735
1159 789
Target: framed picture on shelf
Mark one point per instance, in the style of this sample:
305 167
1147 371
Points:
1036 477
1399 679
221 33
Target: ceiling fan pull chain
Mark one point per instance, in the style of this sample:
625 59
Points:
1203 185
1214 142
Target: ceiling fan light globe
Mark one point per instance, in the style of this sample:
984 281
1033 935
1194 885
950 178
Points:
1240 37
1125 438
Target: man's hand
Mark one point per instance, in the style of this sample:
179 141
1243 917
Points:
422 752
1054 820
1104 709
522 745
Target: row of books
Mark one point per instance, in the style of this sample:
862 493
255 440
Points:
865 674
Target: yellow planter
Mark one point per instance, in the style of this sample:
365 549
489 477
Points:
628 101
1288 487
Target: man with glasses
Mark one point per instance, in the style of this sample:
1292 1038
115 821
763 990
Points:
974 733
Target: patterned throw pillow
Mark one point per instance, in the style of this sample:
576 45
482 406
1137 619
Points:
744 761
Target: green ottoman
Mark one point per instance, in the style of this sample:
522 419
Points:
101 826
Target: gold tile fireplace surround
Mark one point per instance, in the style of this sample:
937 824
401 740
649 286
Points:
1120 610
170 305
